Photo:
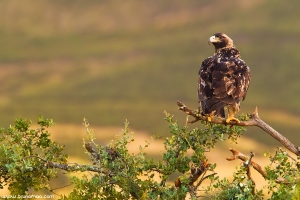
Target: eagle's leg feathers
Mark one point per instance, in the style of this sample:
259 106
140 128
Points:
232 110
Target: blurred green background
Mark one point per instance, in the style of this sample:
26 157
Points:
109 61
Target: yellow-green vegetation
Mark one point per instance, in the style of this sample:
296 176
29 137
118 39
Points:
109 61
30 160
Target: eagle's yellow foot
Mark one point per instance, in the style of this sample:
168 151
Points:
231 118
197 112
232 110
209 118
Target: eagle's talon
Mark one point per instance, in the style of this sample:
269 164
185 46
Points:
197 113
232 119
209 118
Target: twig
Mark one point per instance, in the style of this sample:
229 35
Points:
52 190
237 155
253 121
196 172
247 165
67 167
205 177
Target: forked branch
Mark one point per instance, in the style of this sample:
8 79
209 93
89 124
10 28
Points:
249 162
238 155
253 121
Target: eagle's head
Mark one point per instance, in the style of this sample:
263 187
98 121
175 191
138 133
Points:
220 40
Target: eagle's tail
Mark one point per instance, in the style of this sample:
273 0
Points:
213 105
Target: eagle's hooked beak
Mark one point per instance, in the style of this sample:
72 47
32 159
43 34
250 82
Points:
212 39
209 42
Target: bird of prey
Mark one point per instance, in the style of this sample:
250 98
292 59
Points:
223 80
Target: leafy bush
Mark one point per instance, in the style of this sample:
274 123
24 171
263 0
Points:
30 159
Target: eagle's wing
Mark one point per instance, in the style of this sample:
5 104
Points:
209 102
222 82
239 74
204 80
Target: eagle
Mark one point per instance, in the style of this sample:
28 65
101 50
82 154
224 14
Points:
223 80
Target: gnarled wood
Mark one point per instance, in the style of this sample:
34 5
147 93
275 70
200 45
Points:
253 121
238 155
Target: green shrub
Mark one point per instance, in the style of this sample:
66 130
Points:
29 159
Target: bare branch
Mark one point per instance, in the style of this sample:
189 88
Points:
247 165
196 172
253 121
67 167
237 155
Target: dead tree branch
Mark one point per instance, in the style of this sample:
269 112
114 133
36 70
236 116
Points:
248 162
247 165
253 121
196 172
237 155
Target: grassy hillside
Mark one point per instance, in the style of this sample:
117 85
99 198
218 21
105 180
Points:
108 61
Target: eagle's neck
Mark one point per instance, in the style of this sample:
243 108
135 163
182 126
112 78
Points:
228 52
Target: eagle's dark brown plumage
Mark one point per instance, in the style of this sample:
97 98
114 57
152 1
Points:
223 79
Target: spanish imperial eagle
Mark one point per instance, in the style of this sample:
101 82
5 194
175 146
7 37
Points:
223 79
